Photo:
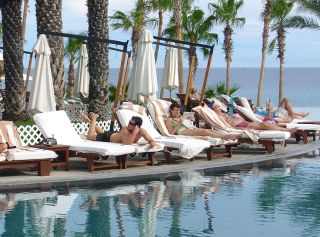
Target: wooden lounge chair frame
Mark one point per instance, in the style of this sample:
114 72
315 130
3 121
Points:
43 165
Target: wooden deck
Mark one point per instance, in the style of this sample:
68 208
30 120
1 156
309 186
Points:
12 179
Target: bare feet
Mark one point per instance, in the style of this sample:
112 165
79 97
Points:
305 114
85 117
93 116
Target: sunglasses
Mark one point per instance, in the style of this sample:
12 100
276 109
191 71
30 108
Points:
132 123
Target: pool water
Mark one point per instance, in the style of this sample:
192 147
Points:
277 202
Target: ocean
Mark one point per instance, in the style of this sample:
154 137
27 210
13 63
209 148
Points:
299 83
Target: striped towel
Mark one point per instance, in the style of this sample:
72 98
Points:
136 108
159 110
10 134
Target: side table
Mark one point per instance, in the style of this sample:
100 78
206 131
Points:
61 150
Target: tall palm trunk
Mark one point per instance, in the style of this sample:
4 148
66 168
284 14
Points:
227 47
177 15
159 33
135 36
25 14
265 36
281 37
71 80
98 55
49 18
13 59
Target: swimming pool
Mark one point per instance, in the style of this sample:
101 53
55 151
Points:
277 202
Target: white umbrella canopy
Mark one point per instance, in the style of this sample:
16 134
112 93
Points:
83 73
170 79
143 84
42 92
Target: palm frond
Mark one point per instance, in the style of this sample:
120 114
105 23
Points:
272 46
301 22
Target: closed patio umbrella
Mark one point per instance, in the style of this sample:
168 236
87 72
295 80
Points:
143 83
42 94
170 78
83 73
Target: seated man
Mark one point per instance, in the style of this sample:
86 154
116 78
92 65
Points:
238 122
128 135
284 113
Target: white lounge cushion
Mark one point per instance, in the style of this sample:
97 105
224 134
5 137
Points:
30 153
58 124
188 147
2 156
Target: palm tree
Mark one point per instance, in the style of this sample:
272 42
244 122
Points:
226 14
309 6
195 28
280 22
177 15
219 89
267 13
161 6
53 10
98 55
134 20
71 52
13 59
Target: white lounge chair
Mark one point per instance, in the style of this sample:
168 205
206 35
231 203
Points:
267 138
159 111
185 147
58 124
21 156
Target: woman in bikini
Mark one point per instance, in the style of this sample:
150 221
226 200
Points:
237 121
176 127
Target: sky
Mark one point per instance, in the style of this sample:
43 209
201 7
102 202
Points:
302 46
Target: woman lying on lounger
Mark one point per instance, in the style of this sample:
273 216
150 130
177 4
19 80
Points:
175 126
284 113
238 122
128 135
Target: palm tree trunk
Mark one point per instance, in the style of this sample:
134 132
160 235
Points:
98 56
265 36
135 36
281 37
177 14
71 80
159 33
227 46
53 10
13 59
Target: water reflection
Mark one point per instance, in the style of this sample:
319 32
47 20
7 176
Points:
280 202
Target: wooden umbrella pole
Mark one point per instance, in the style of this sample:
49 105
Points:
124 87
116 97
204 85
28 75
190 78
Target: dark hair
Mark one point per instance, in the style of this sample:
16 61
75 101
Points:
137 120
210 104
175 105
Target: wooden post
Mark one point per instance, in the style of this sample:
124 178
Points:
190 79
24 20
204 85
116 97
124 87
28 74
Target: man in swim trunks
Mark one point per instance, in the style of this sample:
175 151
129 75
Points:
237 121
128 135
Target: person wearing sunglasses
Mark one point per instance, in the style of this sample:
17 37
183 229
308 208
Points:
127 135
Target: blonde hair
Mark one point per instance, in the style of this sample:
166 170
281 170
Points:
193 90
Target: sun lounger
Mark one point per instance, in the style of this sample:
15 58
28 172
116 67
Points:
21 156
267 138
304 130
159 110
58 124
185 147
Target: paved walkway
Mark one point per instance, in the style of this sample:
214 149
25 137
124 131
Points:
11 179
